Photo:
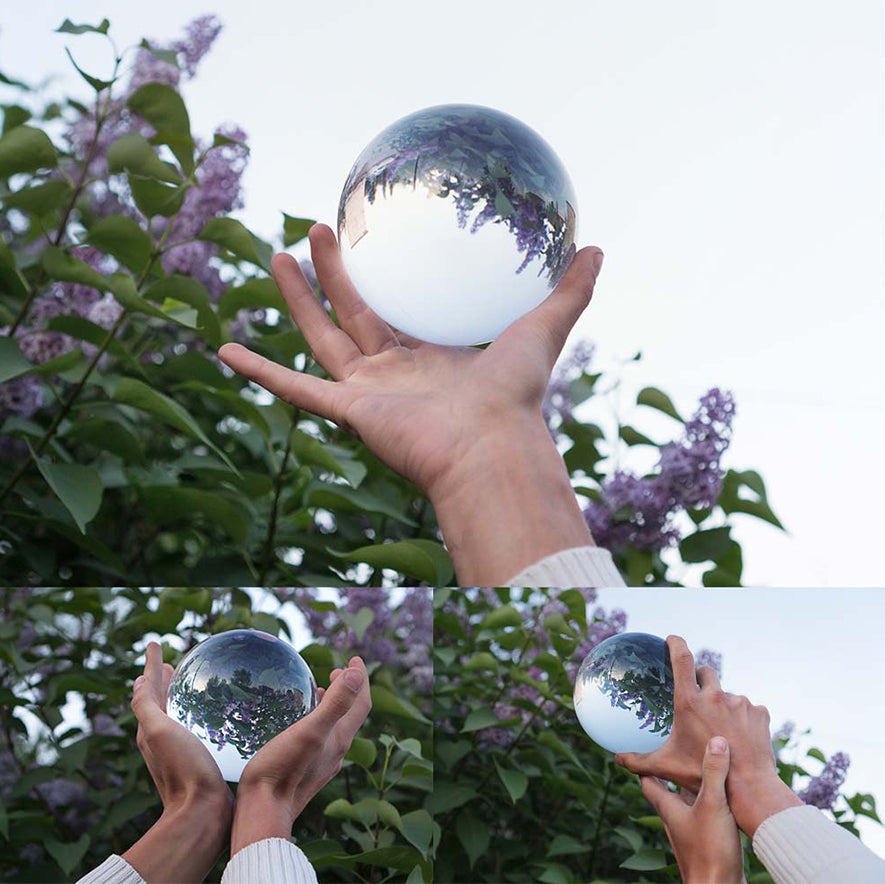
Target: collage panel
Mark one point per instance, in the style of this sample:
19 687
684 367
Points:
151 734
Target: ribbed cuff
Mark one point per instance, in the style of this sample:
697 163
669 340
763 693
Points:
271 861
800 845
114 870
579 566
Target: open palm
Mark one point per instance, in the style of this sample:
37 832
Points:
417 406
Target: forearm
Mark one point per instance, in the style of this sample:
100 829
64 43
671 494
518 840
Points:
507 504
754 798
259 815
183 845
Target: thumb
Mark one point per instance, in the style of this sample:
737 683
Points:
715 771
667 804
340 696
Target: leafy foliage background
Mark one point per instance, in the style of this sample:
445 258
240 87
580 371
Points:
521 793
74 788
130 455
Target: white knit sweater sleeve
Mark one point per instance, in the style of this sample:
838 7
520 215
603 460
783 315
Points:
271 861
114 870
579 566
800 845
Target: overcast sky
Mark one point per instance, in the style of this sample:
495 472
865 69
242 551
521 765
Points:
727 157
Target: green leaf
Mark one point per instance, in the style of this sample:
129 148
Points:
447 796
384 700
123 238
14 115
657 399
78 487
515 781
341 809
109 435
358 622
646 860
481 660
344 498
704 546
425 560
97 84
166 504
187 290
12 363
362 752
125 808
417 829
11 281
500 617
61 266
632 436
164 109
168 56
133 153
295 229
237 239
563 845
310 450
26 149
155 198
479 719
123 288
40 199
256 293
68 27
473 833
67 855
130 391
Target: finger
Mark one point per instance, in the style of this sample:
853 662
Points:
681 659
334 674
665 802
168 672
148 711
340 697
333 348
370 333
641 763
305 391
715 772
351 722
320 694
153 670
708 678
555 316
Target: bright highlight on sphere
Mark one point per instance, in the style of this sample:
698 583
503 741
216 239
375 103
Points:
237 690
624 693
455 221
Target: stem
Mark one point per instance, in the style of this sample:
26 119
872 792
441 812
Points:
600 817
274 509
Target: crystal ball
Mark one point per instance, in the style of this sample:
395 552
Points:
238 689
624 693
455 221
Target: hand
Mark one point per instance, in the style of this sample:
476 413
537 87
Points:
457 421
704 710
701 829
197 804
290 769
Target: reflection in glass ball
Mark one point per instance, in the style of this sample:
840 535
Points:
237 690
624 693
455 221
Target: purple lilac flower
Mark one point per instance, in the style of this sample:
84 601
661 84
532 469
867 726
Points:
785 732
713 659
823 790
557 405
638 511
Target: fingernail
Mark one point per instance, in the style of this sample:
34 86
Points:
598 258
138 682
353 678
618 759
718 746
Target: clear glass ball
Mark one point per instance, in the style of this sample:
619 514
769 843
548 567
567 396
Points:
624 693
237 690
455 221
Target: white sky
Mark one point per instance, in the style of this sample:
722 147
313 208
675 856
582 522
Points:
726 156
812 656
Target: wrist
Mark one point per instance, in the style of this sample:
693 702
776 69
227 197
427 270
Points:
261 812
754 797
210 812
507 502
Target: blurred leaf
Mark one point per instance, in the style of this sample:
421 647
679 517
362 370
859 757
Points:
166 504
362 752
473 834
123 238
238 240
384 700
515 781
11 280
133 153
167 56
164 109
26 149
12 363
703 546
505 615
417 829
62 266
78 487
657 399
155 198
425 560
563 845
256 293
68 27
632 436
40 199
479 719
108 436
342 497
646 860
67 855
295 229
96 83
